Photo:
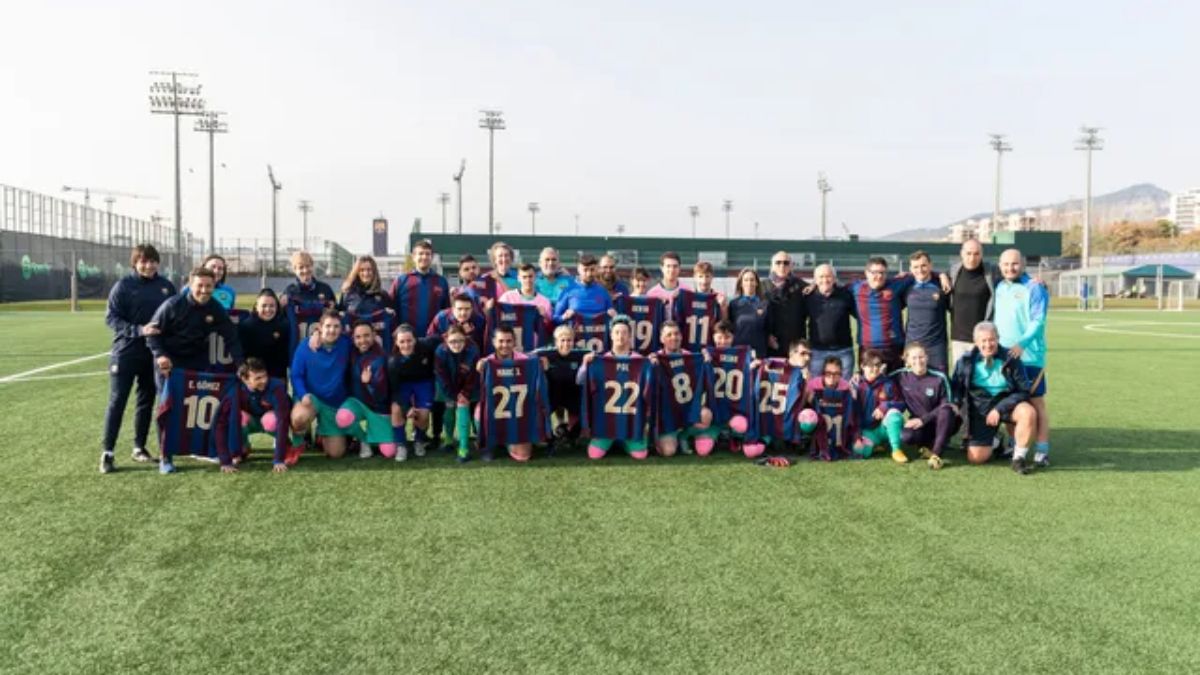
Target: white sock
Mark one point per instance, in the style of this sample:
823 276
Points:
1039 456
1020 452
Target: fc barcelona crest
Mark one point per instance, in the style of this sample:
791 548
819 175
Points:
208 318
936 296
887 294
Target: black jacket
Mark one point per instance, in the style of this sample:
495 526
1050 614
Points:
1014 373
131 304
185 329
361 301
787 315
267 340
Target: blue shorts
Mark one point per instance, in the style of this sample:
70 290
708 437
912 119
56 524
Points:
1037 379
414 395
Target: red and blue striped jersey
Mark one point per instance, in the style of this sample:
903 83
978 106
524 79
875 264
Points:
198 414
836 408
528 324
418 297
682 381
880 312
456 373
648 315
476 328
882 394
383 321
780 394
483 288
302 318
272 399
591 332
697 314
732 384
514 405
617 396
374 395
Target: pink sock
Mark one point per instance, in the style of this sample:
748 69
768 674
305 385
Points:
640 454
387 450
596 452
519 458
753 450
704 446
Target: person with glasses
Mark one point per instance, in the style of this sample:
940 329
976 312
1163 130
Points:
552 279
830 308
879 308
879 408
832 398
787 314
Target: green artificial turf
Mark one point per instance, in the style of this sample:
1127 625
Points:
567 565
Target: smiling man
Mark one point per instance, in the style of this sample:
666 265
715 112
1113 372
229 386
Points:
1020 309
193 331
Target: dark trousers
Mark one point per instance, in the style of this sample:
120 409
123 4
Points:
122 375
438 409
935 435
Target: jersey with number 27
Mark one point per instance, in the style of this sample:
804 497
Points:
514 403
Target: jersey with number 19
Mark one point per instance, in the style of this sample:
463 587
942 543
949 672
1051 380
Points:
198 414
526 320
617 397
648 315
697 314
514 403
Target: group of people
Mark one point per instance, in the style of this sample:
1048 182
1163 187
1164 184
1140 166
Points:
517 357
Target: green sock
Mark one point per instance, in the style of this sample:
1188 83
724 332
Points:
448 422
893 423
462 427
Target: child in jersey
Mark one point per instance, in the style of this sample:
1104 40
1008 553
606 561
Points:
561 363
702 274
410 376
366 413
668 440
880 409
265 408
723 339
832 398
457 387
462 313
621 333
639 282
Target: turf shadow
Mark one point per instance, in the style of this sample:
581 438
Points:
1132 450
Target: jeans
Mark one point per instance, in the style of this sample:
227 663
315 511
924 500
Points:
819 356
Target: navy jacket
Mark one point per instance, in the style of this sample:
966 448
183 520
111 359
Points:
963 391
186 327
131 304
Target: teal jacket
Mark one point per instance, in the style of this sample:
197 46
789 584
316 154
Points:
1020 317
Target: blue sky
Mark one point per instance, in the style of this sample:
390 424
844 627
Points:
622 112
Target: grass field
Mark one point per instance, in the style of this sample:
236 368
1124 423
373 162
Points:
681 565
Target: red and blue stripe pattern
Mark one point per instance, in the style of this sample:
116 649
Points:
617 396
198 414
514 405
419 297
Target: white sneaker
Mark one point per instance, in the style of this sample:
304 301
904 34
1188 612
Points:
365 452
419 448
401 452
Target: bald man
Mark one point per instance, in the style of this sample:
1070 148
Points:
1020 317
972 283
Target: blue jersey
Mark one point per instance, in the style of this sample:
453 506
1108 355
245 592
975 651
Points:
417 297
682 381
617 396
373 394
303 317
648 315
527 322
697 314
732 384
475 328
881 394
383 321
198 415
780 394
514 405
455 373
591 332
273 399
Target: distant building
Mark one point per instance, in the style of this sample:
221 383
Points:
1185 209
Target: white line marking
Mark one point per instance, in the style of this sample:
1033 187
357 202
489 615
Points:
35 371
67 376
1109 328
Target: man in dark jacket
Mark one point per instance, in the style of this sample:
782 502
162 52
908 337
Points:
194 332
787 315
992 388
131 304
972 286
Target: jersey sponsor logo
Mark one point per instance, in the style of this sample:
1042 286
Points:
887 294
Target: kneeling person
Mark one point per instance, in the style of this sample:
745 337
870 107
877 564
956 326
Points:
879 407
366 412
932 418
265 409
319 384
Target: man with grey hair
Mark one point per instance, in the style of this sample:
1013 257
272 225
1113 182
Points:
990 384
829 309
1021 304
972 283
552 279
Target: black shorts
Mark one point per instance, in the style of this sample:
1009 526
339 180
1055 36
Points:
978 431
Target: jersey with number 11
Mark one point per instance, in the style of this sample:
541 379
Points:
697 314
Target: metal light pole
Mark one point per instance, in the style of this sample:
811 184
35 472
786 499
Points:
458 183
211 124
1000 146
533 211
169 97
727 207
108 202
576 224
444 199
1088 142
491 121
276 186
695 212
825 188
620 230
305 209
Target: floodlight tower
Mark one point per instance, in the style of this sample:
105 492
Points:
695 212
492 120
276 186
534 207
444 199
1001 146
210 123
825 188
169 97
727 207
458 184
1089 142
306 208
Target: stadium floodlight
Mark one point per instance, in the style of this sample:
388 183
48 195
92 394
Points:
1089 142
276 186
727 207
695 212
492 120
825 188
458 183
175 99
620 230
576 224
534 207
306 208
444 200
211 123
1001 146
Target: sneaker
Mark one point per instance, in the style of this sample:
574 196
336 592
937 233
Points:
364 451
292 455
1019 466
1042 463
140 455
166 467
684 448
926 453
899 457
419 448
106 463
487 455
935 462
401 452
206 458
462 457
448 448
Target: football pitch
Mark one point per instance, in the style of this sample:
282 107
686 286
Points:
566 565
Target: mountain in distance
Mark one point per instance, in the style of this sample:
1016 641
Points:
1141 202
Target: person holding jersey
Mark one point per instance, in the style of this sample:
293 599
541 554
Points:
621 333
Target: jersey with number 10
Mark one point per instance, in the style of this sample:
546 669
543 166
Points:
198 414
780 393
732 384
697 314
591 332
617 396
648 315
682 379
302 320
514 403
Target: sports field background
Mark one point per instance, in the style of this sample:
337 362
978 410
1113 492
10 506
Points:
679 565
